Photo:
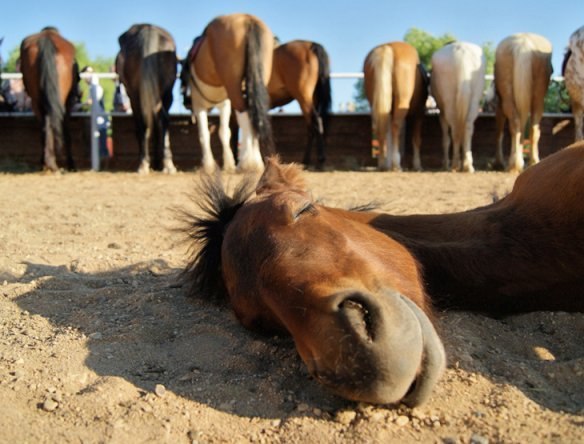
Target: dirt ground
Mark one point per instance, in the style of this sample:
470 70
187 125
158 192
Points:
98 342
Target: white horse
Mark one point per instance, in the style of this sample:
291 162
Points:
573 72
457 83
522 75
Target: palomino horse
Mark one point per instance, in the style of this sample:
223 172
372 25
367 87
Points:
232 60
573 72
396 85
457 83
301 72
146 65
356 289
51 78
522 74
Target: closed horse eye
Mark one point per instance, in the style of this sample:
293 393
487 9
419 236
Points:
308 208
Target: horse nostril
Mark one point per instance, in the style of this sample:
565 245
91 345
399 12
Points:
359 317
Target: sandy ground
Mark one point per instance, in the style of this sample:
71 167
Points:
98 342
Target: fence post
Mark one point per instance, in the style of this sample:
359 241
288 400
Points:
95 113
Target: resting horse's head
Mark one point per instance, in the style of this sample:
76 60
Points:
350 296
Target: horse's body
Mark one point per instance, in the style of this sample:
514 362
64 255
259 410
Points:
51 76
301 72
233 60
522 75
355 289
396 85
573 72
147 66
457 83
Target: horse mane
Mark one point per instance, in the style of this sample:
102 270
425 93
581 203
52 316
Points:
203 274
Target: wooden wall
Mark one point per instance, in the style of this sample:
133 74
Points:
349 143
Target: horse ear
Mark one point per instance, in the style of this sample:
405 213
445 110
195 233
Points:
278 176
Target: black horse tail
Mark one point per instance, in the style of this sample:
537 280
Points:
567 55
322 92
256 93
50 101
149 86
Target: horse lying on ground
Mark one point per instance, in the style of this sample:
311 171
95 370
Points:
146 65
457 83
522 75
232 60
573 72
396 86
51 78
356 289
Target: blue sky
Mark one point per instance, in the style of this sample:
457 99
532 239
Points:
347 29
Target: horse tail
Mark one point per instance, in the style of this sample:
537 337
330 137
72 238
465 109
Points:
256 93
322 92
382 61
50 98
522 83
567 56
149 86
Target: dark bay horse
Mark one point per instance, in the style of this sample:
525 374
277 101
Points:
147 66
51 78
233 60
522 75
301 72
396 85
355 289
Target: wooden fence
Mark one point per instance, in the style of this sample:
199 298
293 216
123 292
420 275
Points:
349 141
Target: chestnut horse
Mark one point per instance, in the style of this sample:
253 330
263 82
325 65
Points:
457 83
146 64
232 60
301 72
522 75
51 78
573 72
396 86
356 289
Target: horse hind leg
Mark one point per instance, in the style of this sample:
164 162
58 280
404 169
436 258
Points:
467 160
250 158
578 111
225 136
49 158
144 167
207 160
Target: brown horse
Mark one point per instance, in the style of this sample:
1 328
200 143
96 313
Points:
147 66
522 75
301 72
232 60
355 289
573 72
396 86
51 79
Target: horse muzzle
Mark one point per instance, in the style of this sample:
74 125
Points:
378 348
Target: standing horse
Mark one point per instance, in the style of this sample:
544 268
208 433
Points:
51 77
522 74
573 72
396 86
457 83
356 289
301 72
147 66
233 60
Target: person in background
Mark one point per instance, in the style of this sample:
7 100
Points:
15 95
96 104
